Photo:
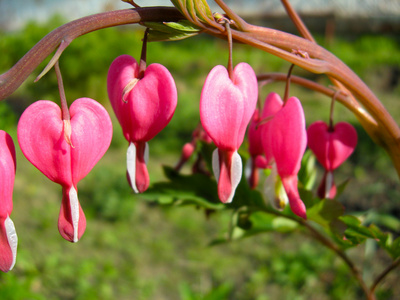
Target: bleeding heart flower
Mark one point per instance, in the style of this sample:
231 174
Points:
8 235
285 140
144 104
41 135
226 107
331 146
257 159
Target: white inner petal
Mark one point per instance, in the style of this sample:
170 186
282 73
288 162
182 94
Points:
131 165
146 153
328 183
247 168
236 174
74 205
12 238
215 164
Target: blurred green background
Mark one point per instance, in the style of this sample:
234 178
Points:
134 249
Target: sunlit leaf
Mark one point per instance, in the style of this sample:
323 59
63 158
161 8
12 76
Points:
183 25
203 10
170 31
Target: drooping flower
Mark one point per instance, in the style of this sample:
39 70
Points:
8 235
285 141
144 104
42 138
332 146
226 107
257 158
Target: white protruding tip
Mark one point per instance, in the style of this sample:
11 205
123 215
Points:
74 205
236 174
248 168
131 165
146 153
215 164
328 184
12 239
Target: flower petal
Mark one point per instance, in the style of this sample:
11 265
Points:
71 220
7 173
41 138
8 244
288 137
227 167
149 105
226 106
296 204
91 135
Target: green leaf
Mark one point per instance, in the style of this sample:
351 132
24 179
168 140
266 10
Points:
178 4
263 222
325 211
183 25
356 233
395 251
383 239
308 172
203 10
158 36
340 188
170 31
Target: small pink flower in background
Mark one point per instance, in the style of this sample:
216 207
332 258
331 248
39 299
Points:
42 138
331 146
226 107
285 141
8 235
144 104
257 159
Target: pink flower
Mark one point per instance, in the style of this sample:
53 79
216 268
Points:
285 140
331 146
8 235
226 107
257 159
144 104
42 138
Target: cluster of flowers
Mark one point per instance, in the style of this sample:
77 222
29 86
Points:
144 101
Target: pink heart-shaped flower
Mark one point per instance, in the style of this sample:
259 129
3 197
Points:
8 236
41 135
149 106
331 147
226 107
144 104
